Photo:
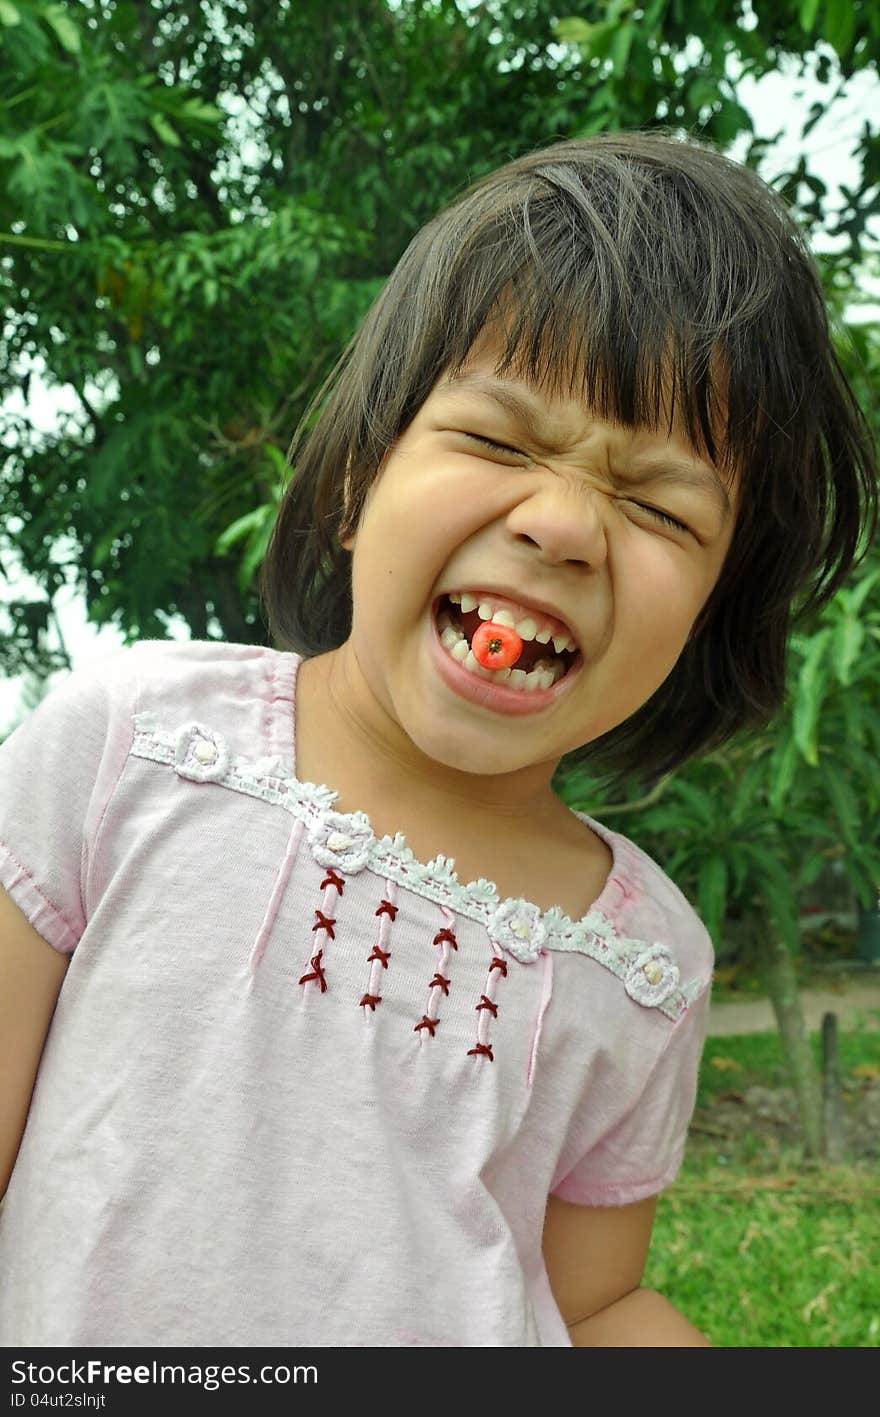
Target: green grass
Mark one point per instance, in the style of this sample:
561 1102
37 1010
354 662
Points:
785 1262
758 1058
758 1248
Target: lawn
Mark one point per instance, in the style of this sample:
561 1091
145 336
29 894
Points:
758 1248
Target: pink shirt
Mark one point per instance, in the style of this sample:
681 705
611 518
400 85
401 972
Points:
299 1087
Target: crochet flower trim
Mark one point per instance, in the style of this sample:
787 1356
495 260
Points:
345 841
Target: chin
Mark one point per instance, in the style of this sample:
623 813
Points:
479 758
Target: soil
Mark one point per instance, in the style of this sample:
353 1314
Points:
757 1125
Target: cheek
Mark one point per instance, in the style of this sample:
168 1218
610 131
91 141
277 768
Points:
661 586
422 514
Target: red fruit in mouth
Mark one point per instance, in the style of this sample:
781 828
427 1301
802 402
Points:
496 646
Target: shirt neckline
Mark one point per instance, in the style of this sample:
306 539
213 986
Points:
607 899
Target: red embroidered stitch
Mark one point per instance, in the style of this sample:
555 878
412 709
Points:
482 1050
383 955
386 908
447 935
443 983
487 1004
499 963
318 974
372 1000
332 879
429 1023
324 923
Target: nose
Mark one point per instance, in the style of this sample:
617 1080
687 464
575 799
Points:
565 522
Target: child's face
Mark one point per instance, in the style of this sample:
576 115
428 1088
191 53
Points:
558 524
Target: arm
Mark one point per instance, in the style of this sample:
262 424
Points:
595 1257
31 975
641 1319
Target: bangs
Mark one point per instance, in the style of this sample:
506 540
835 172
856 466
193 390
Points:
638 373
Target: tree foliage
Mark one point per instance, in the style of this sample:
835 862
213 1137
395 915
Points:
199 200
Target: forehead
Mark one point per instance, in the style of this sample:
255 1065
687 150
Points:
556 412
558 421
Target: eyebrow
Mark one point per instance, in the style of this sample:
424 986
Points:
668 469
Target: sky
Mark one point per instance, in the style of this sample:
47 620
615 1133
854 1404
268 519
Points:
776 100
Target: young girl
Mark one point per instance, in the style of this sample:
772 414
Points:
360 1036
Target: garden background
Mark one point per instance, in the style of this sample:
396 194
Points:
198 201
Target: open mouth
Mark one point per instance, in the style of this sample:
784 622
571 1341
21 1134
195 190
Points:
539 665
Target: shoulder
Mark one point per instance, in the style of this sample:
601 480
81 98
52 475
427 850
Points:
199 656
656 908
237 698
177 673
174 688
647 905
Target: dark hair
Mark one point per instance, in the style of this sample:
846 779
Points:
635 265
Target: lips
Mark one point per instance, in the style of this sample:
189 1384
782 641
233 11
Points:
490 692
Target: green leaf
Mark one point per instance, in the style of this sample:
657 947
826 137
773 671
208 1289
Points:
778 895
199 111
730 120
712 893
279 461
242 527
807 15
654 15
785 761
848 639
668 821
860 593
863 871
66 31
703 92
844 802
253 557
738 861
750 791
573 30
103 547
810 693
164 130
699 801
9 14
840 25
620 47
811 869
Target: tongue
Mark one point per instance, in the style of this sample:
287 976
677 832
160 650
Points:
532 651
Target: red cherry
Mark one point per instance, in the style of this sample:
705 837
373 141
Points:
496 646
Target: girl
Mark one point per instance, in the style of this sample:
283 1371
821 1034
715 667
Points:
361 1036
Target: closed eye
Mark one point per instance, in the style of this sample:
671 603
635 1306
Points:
499 447
664 517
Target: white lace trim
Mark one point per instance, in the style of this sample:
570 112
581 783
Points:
345 840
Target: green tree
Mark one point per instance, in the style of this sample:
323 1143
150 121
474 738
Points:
198 201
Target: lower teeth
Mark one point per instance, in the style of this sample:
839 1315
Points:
542 675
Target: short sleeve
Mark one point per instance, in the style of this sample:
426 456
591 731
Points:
641 1153
58 768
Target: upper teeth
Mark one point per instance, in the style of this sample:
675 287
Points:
529 628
